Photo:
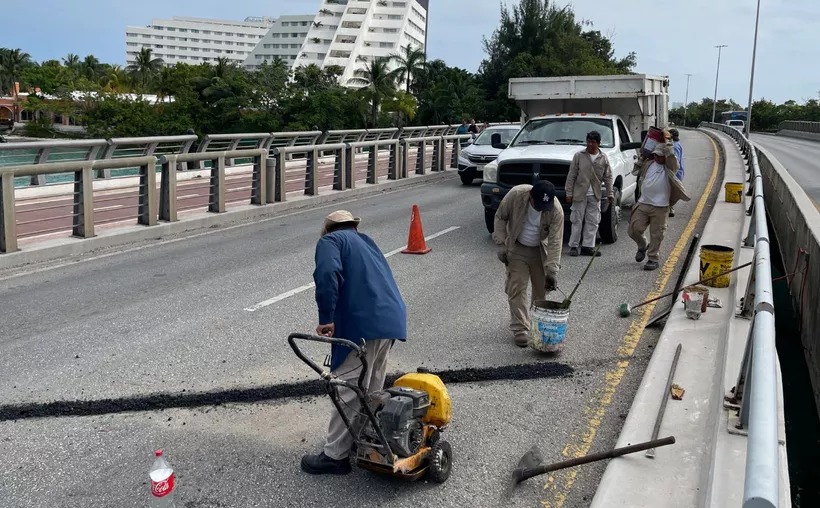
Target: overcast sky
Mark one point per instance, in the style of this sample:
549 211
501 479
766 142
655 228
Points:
674 40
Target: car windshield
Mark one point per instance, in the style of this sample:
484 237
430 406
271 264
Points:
485 138
565 131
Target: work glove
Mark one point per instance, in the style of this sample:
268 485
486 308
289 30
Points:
551 282
502 255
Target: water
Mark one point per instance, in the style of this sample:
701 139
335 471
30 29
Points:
802 422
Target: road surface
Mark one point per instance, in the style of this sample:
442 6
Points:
161 323
800 156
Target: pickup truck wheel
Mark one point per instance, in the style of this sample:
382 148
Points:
489 219
610 220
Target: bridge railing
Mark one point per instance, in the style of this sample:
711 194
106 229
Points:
799 126
756 389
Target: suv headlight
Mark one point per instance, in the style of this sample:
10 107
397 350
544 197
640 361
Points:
462 159
491 172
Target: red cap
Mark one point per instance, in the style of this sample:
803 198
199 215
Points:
158 453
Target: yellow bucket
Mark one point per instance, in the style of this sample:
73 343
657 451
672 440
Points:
715 259
733 192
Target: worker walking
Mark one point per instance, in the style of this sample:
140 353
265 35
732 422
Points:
358 299
587 171
529 231
679 155
660 189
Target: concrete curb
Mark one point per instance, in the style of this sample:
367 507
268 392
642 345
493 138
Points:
51 250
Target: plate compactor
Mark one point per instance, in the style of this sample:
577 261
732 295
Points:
398 429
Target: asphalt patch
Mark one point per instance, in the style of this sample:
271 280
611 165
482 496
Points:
313 388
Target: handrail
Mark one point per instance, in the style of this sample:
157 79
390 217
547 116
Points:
758 410
799 126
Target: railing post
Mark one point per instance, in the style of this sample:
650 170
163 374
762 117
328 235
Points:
339 172
372 165
350 167
279 189
217 197
42 157
8 221
435 163
421 158
456 149
405 158
311 178
147 209
258 185
393 161
743 390
83 202
168 190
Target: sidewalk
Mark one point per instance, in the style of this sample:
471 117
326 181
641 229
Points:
706 465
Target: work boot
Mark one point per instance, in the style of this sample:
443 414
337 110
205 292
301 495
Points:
573 251
671 212
322 464
589 251
651 265
640 255
522 339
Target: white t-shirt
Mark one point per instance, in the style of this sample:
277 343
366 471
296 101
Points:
594 158
530 234
655 189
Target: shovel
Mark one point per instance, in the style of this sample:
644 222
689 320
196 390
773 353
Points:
568 299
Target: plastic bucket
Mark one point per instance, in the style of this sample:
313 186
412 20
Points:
653 137
733 192
548 327
715 259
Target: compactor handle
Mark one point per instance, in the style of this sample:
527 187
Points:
358 349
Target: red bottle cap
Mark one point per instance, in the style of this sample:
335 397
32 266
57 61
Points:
158 453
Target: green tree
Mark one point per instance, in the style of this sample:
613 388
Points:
410 63
377 83
403 104
145 67
12 64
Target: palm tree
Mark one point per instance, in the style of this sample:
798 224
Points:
145 66
377 83
90 67
116 80
12 63
411 63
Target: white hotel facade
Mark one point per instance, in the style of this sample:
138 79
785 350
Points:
344 33
349 33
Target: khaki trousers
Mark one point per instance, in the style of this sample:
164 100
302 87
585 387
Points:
338 440
585 214
524 266
654 217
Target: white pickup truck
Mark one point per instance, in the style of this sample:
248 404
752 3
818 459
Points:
557 114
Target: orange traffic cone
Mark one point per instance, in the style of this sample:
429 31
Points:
416 243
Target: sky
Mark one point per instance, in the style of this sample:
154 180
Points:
674 40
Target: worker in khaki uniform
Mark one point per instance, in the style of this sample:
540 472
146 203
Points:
529 230
660 189
587 171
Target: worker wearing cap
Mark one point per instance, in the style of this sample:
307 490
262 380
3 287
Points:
588 170
529 230
659 189
358 300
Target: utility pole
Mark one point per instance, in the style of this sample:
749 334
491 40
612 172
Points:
717 75
686 101
752 77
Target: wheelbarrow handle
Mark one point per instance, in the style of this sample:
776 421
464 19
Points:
358 349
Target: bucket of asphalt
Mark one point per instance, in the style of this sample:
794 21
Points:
733 192
715 259
693 304
549 325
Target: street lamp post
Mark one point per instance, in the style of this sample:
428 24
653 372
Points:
686 101
752 77
717 75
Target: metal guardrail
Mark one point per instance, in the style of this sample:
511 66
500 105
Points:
799 126
756 389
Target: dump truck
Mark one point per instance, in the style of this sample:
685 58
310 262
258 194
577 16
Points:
556 114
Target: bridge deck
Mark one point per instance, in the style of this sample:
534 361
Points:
169 317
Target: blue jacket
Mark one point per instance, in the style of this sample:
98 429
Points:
679 155
356 291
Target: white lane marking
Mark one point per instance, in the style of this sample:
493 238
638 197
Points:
302 289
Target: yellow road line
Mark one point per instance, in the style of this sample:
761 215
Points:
579 445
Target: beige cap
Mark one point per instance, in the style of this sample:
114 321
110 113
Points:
339 217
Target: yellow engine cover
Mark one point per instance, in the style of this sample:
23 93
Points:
440 411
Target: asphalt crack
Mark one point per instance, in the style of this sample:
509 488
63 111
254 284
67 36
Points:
312 388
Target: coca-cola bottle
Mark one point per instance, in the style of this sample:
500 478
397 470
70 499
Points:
162 482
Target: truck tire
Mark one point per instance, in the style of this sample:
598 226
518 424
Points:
489 219
610 220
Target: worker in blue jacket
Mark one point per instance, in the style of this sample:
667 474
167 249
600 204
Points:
358 299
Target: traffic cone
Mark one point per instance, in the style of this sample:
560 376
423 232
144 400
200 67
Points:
415 242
